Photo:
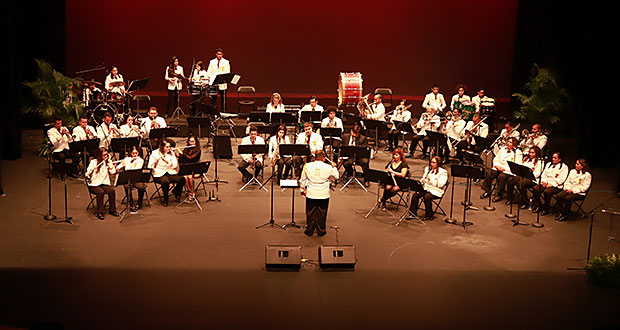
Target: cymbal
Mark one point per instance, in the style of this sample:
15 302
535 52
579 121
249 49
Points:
117 83
91 82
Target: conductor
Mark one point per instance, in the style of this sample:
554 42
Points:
314 185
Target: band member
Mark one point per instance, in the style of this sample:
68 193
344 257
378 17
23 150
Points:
114 82
331 121
476 127
429 120
129 129
313 140
478 99
312 106
459 97
253 160
396 167
314 185
59 136
355 138
433 180
434 100
507 132
98 180
152 121
501 170
133 161
83 131
536 138
551 183
200 78
275 105
377 109
401 114
481 101
191 155
454 130
274 152
174 75
164 163
107 131
534 161
575 187
217 66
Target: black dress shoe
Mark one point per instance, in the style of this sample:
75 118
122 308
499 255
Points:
100 216
138 206
484 195
164 203
307 233
114 213
497 199
322 233
562 217
428 218
523 206
535 209
544 212
177 198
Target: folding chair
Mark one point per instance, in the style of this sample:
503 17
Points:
579 204
436 201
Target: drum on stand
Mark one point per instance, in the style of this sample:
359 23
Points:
99 111
195 90
349 88
212 90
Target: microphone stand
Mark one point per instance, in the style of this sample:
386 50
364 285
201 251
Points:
67 218
450 219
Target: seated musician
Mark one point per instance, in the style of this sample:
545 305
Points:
534 161
133 161
98 180
501 170
476 127
198 78
578 182
551 183
429 120
274 153
312 106
459 97
331 121
84 131
129 129
59 136
536 138
313 140
107 131
508 131
434 100
433 180
152 121
191 155
401 114
377 109
114 82
455 129
164 163
255 161
275 105
398 167
355 138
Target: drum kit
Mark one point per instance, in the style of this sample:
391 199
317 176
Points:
97 101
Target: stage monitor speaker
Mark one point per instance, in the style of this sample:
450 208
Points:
222 148
283 257
337 257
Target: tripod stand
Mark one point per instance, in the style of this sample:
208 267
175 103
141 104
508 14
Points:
192 169
470 173
49 216
178 112
354 152
254 149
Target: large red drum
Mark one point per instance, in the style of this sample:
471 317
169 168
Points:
349 88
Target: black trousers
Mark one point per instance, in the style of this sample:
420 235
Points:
316 215
414 143
67 168
140 186
564 200
284 164
100 192
491 175
196 99
393 136
165 181
348 165
546 193
222 93
428 203
173 101
243 168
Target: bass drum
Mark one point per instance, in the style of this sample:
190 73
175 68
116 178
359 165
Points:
99 111
349 88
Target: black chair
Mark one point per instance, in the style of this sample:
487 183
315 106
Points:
578 203
385 92
246 100
436 201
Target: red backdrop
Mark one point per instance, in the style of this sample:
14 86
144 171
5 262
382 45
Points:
300 47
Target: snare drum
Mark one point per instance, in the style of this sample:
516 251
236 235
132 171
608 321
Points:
114 97
349 88
98 112
487 108
195 89
212 90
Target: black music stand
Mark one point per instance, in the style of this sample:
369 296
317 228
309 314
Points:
252 149
225 78
355 152
131 177
436 140
412 185
483 143
85 147
331 133
405 129
473 159
137 85
450 219
279 118
272 221
294 150
377 126
381 178
193 169
310 116
258 117
351 118
468 172
526 173
124 144
200 123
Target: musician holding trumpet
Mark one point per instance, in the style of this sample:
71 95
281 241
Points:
106 131
98 180
164 163
59 136
152 121
476 127
274 152
429 120
251 160
129 129
83 131
534 138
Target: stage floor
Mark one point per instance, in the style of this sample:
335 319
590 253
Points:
182 267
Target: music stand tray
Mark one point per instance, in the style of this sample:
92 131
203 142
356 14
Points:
124 144
412 185
278 118
294 150
200 123
137 84
193 169
310 116
131 177
258 117
380 177
437 140
252 149
482 142
376 125
356 152
158 133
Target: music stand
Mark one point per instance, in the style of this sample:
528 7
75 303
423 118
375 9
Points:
310 116
279 118
137 85
376 125
131 177
331 133
160 133
355 152
351 118
252 149
481 142
200 123
380 177
405 129
412 185
523 172
436 140
474 159
468 172
258 117
124 144
85 146
193 169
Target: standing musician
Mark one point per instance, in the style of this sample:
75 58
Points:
152 121
551 183
507 132
274 152
275 105
434 100
314 185
480 101
312 106
501 170
429 120
331 121
98 180
133 161
191 155
60 137
216 66
114 82
459 97
200 78
164 163
174 75
401 114
534 161
253 160
396 167
313 140
536 138
83 131
479 98
129 129
476 127
107 131
434 180
355 138
578 182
